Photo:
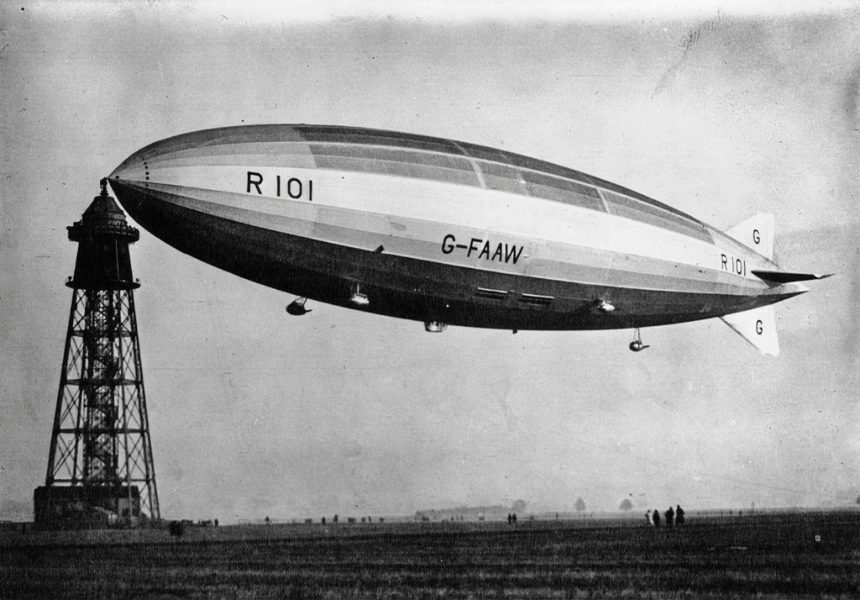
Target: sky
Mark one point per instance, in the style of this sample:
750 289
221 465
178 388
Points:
720 111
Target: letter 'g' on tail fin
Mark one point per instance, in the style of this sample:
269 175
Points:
758 327
757 233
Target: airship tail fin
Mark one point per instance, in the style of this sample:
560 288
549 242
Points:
786 276
758 327
756 232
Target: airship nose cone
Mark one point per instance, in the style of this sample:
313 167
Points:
130 181
134 169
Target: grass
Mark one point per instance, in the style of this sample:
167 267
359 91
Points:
762 556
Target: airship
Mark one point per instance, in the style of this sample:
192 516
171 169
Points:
447 232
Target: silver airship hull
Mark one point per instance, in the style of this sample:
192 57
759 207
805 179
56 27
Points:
436 231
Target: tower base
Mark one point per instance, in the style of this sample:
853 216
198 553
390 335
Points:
80 507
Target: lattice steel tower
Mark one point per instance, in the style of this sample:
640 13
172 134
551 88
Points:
100 467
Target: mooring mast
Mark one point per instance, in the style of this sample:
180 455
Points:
100 467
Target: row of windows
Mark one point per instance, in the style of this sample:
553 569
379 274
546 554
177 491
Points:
524 162
377 140
453 169
372 137
404 155
409 155
485 155
375 153
654 215
401 169
500 177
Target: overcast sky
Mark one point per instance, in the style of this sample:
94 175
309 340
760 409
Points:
719 112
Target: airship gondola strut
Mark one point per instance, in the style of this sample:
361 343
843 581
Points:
636 345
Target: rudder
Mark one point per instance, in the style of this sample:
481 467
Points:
756 232
758 327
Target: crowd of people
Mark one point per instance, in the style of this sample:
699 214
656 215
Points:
673 517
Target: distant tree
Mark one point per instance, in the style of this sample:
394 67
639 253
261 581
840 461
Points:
626 504
519 506
580 504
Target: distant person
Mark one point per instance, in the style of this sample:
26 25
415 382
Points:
514 519
176 528
648 517
510 520
322 521
268 520
670 517
679 515
656 518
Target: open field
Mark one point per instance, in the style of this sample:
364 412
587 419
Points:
763 555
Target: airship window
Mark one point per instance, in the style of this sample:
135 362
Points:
504 184
400 169
653 215
347 135
560 195
547 167
525 162
398 162
489 168
376 153
628 194
502 178
488 154
562 184
505 178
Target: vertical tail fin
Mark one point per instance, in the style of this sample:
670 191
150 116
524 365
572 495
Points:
757 233
758 327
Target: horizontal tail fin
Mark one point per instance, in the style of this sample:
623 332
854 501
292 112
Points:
758 327
785 277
